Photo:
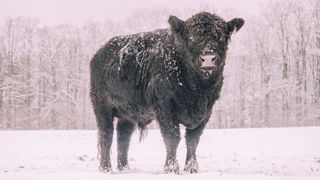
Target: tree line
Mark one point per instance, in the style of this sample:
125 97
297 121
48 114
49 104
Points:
272 73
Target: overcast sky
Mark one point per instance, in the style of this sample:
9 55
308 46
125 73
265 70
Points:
79 11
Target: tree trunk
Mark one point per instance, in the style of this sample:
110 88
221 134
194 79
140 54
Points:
242 93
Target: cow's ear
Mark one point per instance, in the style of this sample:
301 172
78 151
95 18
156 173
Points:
234 25
177 25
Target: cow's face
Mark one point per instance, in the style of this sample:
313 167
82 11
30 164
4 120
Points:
206 37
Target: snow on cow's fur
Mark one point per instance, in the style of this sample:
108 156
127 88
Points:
172 75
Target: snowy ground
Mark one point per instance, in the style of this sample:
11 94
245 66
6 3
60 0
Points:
250 154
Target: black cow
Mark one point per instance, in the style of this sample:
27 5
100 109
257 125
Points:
172 75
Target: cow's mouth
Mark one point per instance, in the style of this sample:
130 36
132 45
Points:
207 70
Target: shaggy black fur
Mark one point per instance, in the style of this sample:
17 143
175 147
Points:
158 75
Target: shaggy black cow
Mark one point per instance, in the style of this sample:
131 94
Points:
173 75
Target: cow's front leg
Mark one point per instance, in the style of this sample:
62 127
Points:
171 134
192 141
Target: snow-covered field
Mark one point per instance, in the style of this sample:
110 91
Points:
251 154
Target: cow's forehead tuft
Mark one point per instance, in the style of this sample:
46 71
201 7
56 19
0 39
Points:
205 18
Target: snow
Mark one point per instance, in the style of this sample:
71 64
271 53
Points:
251 154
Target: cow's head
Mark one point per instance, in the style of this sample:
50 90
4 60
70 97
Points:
206 37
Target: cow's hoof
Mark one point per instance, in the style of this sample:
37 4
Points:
172 167
105 167
124 168
191 166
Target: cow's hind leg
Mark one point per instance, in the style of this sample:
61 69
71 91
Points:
104 119
124 132
192 141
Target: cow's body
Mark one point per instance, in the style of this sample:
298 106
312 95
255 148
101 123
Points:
154 75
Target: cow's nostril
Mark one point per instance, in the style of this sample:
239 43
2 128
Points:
201 59
214 58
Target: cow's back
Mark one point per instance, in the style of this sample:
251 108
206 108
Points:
120 72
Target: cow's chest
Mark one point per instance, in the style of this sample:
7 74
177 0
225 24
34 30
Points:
192 108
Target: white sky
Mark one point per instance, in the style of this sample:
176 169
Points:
79 11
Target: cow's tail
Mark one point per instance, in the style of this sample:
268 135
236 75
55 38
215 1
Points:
143 130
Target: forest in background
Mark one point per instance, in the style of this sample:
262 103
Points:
272 73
